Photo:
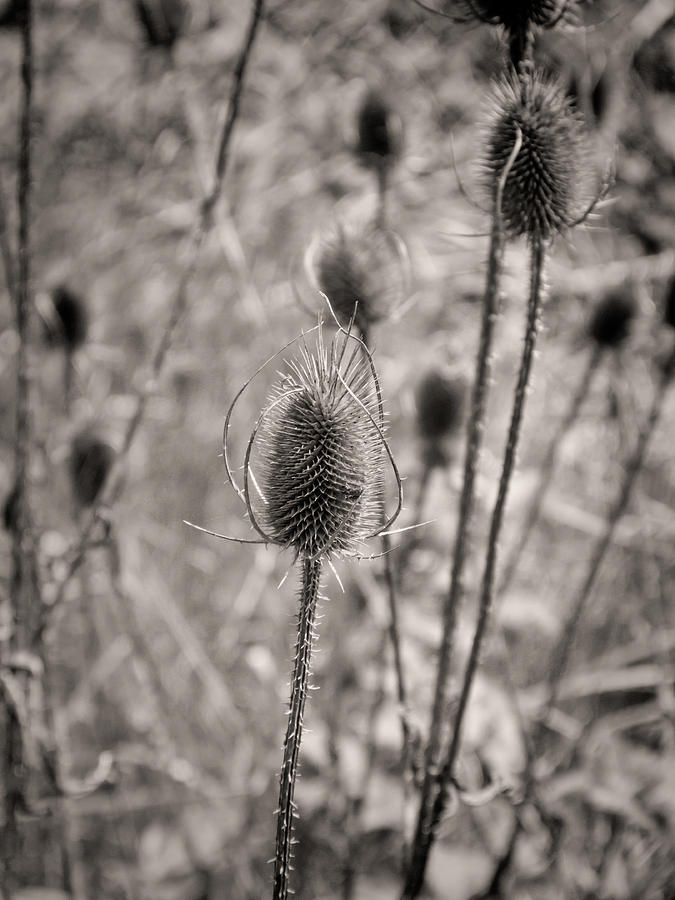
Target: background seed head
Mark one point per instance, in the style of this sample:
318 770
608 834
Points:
359 262
439 401
380 132
321 458
67 322
519 15
611 320
163 21
90 462
542 189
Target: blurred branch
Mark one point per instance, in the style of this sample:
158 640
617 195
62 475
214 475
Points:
6 249
202 227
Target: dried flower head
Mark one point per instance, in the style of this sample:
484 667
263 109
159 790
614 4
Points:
611 319
163 21
669 307
66 321
541 192
12 13
517 15
90 462
319 448
380 132
359 262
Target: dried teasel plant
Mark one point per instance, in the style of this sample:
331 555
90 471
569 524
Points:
534 151
359 265
319 448
379 142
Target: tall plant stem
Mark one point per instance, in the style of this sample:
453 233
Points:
563 650
311 574
548 467
24 585
421 842
487 587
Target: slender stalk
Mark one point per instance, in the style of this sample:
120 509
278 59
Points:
311 574
24 584
382 186
421 843
548 467
563 650
487 588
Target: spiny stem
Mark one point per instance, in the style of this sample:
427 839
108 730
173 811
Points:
382 186
487 587
548 467
562 652
421 841
311 574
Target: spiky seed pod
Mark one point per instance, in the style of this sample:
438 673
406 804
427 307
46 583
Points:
610 321
163 21
543 185
669 307
90 462
379 132
359 262
321 456
67 321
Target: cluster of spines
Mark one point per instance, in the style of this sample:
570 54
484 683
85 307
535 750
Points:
321 456
541 191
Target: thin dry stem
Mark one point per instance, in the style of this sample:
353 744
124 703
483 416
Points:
421 842
311 574
487 587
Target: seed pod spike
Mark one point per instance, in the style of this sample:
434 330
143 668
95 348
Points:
224 537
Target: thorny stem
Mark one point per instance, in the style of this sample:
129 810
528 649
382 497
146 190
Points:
421 841
78 551
548 467
562 652
6 249
487 588
311 574
382 185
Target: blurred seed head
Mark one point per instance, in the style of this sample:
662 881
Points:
12 13
439 399
163 21
380 132
669 307
611 319
66 321
90 462
518 15
320 454
543 185
359 262
10 510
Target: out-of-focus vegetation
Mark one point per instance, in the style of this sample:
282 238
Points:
169 656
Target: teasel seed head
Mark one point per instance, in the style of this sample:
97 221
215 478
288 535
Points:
359 262
380 132
66 321
541 192
91 459
439 400
321 455
611 319
669 307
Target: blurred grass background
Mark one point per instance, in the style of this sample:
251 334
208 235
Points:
188 711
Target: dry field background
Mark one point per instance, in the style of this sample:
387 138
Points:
170 654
